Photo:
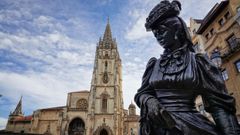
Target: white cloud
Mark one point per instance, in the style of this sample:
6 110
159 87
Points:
39 90
9 15
3 122
138 30
64 63
139 10
40 86
45 47
48 23
136 59
137 13
103 2
42 20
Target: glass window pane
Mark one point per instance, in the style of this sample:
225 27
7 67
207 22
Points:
221 22
232 41
104 105
227 15
237 64
224 75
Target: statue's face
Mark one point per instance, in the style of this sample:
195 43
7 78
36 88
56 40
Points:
165 33
165 36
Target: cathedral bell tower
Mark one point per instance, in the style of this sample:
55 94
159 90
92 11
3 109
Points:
105 100
16 114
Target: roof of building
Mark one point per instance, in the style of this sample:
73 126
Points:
132 106
23 118
107 33
198 20
18 109
132 118
82 91
52 108
211 16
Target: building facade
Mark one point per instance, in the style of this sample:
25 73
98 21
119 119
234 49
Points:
99 111
196 39
219 33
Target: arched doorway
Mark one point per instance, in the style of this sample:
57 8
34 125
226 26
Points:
76 127
103 132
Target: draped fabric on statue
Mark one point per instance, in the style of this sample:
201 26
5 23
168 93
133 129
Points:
176 79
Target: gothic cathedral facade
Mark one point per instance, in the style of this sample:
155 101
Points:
99 111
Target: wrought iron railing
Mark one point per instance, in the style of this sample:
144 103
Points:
233 47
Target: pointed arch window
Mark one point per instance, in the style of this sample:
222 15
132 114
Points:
104 104
106 56
107 43
106 65
105 74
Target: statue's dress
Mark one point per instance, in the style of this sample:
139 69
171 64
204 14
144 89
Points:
176 79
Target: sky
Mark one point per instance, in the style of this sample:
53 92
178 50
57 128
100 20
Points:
47 47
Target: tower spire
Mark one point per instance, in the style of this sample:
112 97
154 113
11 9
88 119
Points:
107 33
108 20
18 109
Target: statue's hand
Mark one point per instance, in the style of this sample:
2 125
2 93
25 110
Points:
154 108
158 114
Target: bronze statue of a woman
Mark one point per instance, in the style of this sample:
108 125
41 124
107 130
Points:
171 83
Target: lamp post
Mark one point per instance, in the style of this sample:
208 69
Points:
216 58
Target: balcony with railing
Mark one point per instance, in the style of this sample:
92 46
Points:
234 47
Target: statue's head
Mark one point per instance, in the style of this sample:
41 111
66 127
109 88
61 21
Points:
169 29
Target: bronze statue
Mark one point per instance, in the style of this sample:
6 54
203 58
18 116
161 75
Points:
171 83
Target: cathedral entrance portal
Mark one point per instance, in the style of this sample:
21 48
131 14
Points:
103 132
76 127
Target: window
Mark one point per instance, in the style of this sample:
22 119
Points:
227 15
207 36
82 104
104 104
104 101
231 40
221 22
106 65
107 45
106 56
237 64
224 75
212 31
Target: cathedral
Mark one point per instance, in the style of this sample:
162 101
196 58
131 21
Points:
99 111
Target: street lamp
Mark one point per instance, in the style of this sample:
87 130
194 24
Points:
216 58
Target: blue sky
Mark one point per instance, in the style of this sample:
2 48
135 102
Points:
47 47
